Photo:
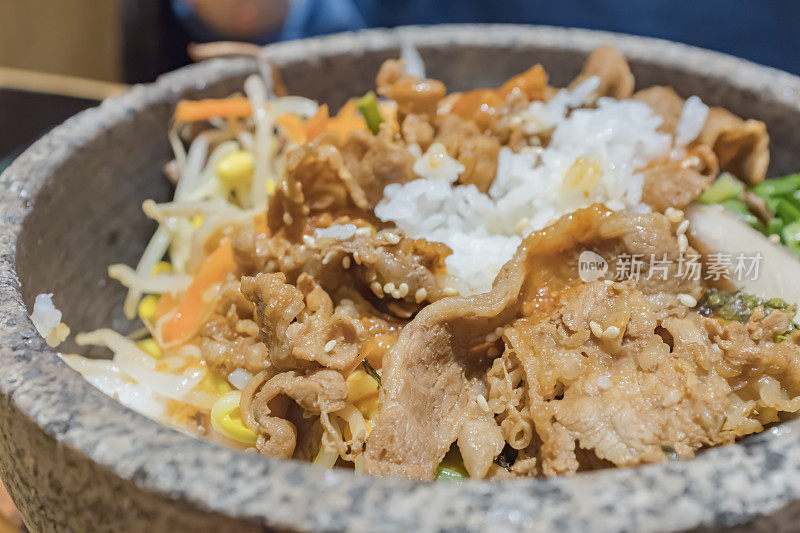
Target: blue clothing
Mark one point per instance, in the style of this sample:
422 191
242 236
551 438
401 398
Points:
764 31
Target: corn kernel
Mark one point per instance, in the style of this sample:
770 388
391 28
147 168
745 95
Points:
362 392
270 187
236 169
147 307
226 418
197 221
162 267
215 384
150 347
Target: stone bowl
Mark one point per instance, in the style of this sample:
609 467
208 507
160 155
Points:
75 460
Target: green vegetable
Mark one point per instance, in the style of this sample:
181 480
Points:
724 188
740 209
371 372
785 335
786 211
368 107
444 473
778 186
738 305
781 195
775 227
791 235
452 466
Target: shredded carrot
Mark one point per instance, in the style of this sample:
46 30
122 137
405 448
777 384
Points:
166 303
317 124
201 110
189 310
293 127
348 119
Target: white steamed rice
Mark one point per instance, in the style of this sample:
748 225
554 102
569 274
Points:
593 156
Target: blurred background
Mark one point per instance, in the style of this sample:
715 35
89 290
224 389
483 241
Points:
58 57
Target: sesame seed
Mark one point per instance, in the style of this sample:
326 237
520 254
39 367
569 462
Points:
673 215
403 290
683 243
596 329
328 257
363 231
357 258
687 299
377 289
309 240
611 332
389 287
604 382
608 282
287 219
682 227
346 261
329 346
690 162
498 331
491 337
420 295
392 238
483 404
449 291
396 294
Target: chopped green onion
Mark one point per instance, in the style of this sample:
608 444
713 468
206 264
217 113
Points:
775 227
743 213
787 211
738 305
445 473
371 372
725 188
452 466
780 337
368 107
778 186
791 236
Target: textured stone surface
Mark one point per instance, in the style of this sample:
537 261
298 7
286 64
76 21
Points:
74 460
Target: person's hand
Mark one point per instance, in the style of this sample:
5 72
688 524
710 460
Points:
241 19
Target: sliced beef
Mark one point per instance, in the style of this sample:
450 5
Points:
475 150
376 161
429 374
413 95
678 183
300 326
664 102
319 392
608 64
316 181
742 146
